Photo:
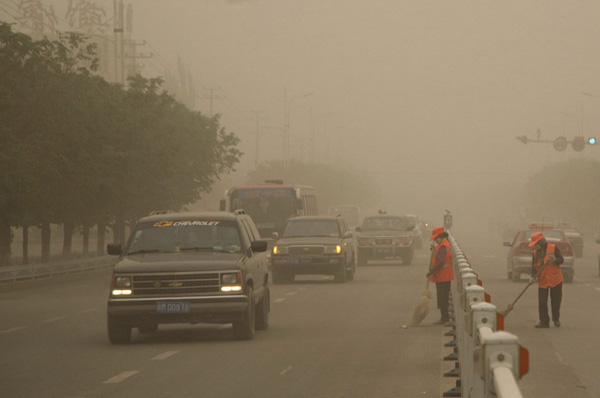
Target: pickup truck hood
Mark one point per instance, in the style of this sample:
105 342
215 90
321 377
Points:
308 241
179 262
390 232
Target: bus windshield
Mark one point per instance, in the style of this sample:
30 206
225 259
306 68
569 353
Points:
269 208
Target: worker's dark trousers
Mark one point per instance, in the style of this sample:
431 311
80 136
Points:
555 300
443 298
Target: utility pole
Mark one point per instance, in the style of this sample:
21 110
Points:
211 97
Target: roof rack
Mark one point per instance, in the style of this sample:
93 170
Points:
276 182
239 211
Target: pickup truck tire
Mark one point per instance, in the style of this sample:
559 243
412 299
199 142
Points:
262 311
407 257
340 274
244 329
118 333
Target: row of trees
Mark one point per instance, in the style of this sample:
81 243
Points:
79 151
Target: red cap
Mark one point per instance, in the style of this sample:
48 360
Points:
436 232
535 238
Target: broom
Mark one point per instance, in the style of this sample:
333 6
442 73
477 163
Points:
421 309
510 307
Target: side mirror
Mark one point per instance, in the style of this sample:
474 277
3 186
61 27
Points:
222 205
258 246
348 235
410 227
275 235
114 249
358 229
507 244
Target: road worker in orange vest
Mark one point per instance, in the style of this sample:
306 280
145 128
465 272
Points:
441 271
545 267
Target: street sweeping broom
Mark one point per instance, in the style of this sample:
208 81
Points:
421 309
533 280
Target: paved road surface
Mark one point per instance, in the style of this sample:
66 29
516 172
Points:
325 340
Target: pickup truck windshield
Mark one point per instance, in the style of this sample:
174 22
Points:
189 235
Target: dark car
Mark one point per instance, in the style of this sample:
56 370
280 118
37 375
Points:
203 267
314 245
520 254
386 236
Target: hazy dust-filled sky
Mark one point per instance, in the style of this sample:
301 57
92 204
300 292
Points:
425 96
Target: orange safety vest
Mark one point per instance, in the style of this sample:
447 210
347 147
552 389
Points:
446 273
551 275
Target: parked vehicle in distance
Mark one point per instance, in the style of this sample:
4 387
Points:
385 236
519 258
351 214
314 245
205 267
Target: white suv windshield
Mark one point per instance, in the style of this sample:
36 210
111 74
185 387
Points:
299 228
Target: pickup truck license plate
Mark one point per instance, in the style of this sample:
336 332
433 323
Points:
173 306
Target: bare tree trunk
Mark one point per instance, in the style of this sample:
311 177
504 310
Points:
5 241
101 236
67 239
119 231
25 246
86 239
46 232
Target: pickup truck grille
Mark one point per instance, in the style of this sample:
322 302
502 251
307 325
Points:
175 284
306 250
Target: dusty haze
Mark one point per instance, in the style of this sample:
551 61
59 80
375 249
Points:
426 97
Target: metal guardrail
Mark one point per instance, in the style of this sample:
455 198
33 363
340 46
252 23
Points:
18 273
488 360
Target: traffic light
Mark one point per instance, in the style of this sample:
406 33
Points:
591 141
578 144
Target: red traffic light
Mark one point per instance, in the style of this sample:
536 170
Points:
578 144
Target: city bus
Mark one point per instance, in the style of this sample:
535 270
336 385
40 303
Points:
272 203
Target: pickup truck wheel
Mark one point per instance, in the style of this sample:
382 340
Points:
244 329
118 333
340 274
262 311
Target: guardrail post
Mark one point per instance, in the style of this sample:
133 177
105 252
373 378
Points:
499 365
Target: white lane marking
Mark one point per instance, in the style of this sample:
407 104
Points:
302 288
597 288
165 355
12 329
58 318
588 284
120 377
284 371
290 293
279 300
89 310
489 256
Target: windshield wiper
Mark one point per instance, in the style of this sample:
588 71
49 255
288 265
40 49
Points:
197 248
149 251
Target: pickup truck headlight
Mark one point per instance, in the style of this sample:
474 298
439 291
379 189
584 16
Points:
121 286
280 250
337 249
231 282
